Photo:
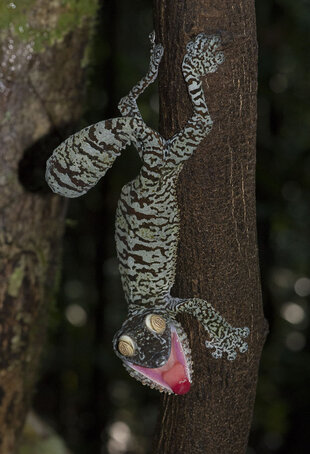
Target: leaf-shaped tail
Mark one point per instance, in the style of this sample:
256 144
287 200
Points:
81 160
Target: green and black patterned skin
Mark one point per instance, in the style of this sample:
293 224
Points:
147 219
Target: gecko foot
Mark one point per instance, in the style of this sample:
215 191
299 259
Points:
157 51
230 341
202 56
128 105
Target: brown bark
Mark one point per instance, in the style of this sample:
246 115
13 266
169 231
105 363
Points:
217 258
40 94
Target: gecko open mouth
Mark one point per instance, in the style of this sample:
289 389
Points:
174 375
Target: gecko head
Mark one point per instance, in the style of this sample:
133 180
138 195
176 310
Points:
154 349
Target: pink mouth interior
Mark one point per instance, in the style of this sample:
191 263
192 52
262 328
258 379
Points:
174 374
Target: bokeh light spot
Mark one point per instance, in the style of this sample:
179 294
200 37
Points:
74 289
278 83
120 438
76 315
283 277
293 313
302 286
295 341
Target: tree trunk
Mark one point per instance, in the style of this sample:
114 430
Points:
42 45
217 258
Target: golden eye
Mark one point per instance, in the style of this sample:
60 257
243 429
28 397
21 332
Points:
155 323
126 346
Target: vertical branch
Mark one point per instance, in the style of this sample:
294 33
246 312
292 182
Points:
217 258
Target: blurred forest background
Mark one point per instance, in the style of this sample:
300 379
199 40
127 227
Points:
84 392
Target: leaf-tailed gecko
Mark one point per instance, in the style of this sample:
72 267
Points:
151 343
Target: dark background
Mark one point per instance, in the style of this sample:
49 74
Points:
84 391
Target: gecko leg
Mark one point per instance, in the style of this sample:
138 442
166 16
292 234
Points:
202 57
223 337
128 104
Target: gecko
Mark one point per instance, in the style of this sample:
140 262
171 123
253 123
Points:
151 342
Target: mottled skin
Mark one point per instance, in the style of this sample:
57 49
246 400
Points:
147 219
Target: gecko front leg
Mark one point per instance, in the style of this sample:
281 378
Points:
223 337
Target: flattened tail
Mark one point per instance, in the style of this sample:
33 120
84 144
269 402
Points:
63 181
79 162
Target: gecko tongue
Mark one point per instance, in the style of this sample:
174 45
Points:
173 374
177 379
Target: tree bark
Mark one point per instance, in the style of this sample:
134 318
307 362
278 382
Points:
217 257
38 96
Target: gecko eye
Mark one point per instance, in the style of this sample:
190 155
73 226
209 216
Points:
155 323
126 346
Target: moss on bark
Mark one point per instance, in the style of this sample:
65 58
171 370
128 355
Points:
40 93
30 21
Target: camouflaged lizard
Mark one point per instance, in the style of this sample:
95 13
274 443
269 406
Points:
151 343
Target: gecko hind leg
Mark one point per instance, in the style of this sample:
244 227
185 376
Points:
202 57
128 104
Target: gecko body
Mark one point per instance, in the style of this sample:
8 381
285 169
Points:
151 343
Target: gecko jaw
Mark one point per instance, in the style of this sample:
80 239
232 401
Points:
174 376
